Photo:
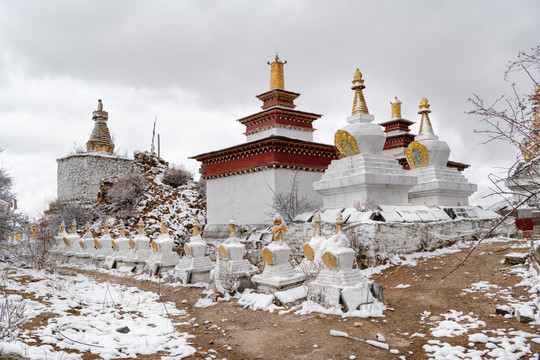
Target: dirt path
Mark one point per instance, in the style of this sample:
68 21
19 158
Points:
252 334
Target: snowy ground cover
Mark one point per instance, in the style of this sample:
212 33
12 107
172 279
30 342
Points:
109 320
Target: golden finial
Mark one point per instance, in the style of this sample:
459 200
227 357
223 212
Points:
277 78
122 230
140 232
232 225
396 108
359 103
106 229
62 227
34 231
163 227
339 222
87 228
425 123
196 229
317 221
73 227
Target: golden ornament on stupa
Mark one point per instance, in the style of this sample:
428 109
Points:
277 78
359 103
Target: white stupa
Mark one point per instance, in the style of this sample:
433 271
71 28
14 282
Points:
278 274
313 250
59 246
104 247
427 157
231 255
163 257
338 281
363 173
195 266
121 247
87 247
72 243
140 245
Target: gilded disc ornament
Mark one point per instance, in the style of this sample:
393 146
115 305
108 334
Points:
329 260
417 155
66 241
115 247
81 244
223 253
346 143
97 244
155 246
308 252
187 249
131 244
268 256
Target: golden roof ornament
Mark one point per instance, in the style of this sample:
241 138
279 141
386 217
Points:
163 227
339 222
425 123
232 225
396 108
73 227
359 103
140 230
277 78
196 228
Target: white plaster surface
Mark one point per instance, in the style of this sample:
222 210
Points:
248 197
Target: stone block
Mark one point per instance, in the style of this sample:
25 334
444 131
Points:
515 258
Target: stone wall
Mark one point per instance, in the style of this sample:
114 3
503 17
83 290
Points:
79 175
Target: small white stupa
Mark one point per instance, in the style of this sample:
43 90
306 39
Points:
313 250
59 246
338 280
86 247
163 257
103 247
140 245
121 245
363 173
195 266
427 157
231 256
72 243
278 273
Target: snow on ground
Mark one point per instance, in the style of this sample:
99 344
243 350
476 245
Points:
88 317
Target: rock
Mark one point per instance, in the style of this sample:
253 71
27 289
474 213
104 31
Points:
515 258
377 291
358 324
66 272
525 314
504 310
435 318
123 330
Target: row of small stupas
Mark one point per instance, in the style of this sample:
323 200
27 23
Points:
329 261
369 163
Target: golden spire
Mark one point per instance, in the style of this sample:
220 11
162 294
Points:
317 221
339 222
122 230
277 79
232 225
73 227
196 229
62 227
140 231
34 232
163 227
396 108
359 103
106 229
425 124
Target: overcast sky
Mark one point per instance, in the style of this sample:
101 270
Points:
198 65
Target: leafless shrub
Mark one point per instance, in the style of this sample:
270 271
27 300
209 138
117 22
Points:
366 205
367 254
126 192
226 281
67 211
289 204
177 175
13 312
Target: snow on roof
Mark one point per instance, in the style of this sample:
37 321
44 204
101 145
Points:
360 216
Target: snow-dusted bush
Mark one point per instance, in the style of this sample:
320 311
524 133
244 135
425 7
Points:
127 191
67 211
177 175
13 312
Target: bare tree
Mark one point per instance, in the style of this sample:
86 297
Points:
291 203
11 220
514 121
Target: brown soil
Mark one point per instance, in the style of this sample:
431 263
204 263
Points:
263 335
